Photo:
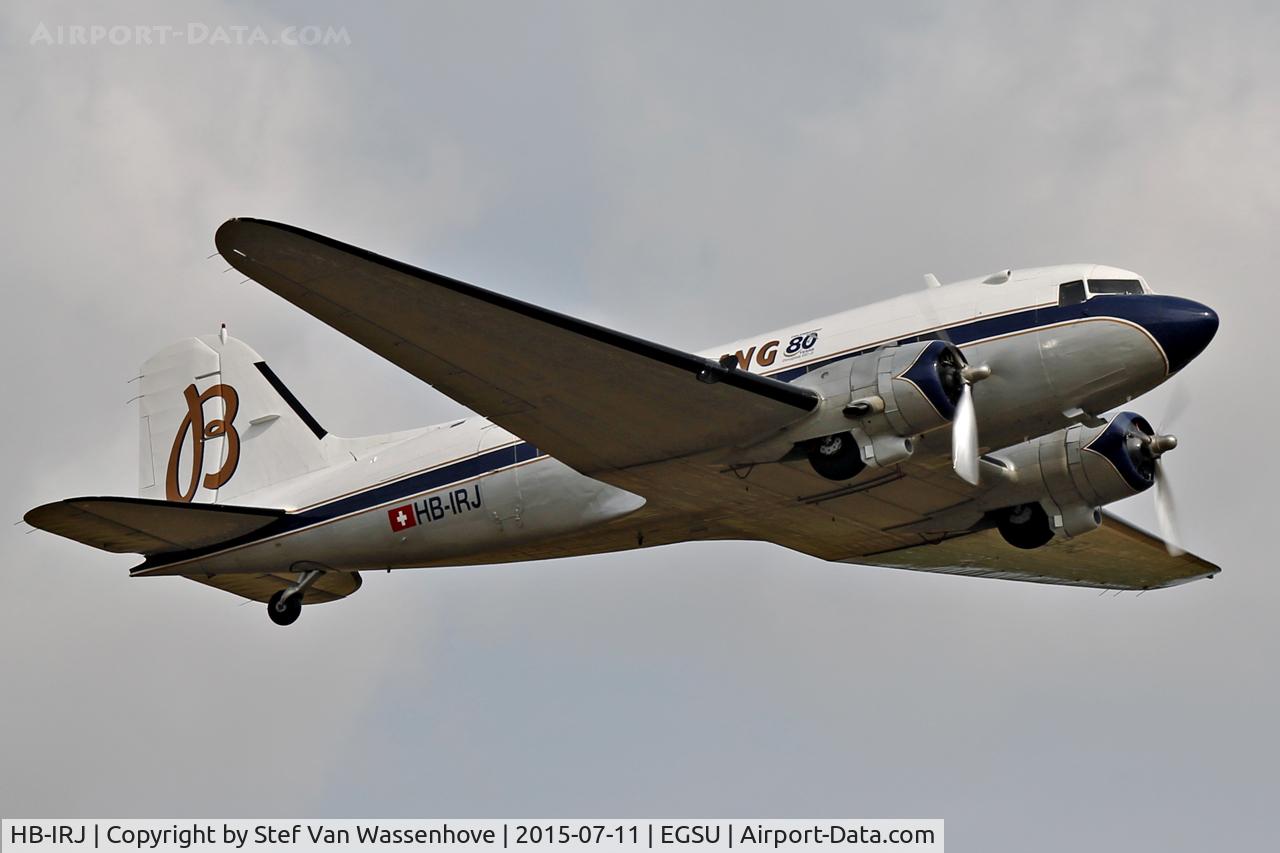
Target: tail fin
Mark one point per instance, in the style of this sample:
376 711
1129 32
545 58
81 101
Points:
217 424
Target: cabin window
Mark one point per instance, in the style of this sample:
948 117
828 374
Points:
1071 293
1109 286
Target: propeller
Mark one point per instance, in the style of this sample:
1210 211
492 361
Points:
964 428
1166 516
964 438
1157 446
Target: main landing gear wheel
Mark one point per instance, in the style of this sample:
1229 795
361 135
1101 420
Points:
285 611
1026 526
836 457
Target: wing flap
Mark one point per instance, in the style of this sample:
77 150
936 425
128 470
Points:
1117 555
142 526
594 398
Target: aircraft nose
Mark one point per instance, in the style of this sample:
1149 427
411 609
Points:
1183 328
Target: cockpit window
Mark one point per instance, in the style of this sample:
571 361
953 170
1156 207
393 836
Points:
1099 286
1071 293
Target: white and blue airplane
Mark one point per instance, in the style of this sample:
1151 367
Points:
957 429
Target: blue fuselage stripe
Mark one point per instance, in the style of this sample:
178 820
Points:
1138 309
464 469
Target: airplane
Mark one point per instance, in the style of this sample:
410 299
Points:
960 429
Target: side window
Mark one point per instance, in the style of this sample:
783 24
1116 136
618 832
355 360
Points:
1071 293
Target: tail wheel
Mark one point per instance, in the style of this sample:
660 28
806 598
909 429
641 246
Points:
284 611
1026 526
836 457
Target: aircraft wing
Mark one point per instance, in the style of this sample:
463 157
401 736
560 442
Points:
1117 555
594 398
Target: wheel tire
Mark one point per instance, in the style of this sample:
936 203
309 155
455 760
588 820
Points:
836 457
286 612
1026 526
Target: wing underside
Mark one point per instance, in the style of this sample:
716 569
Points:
1117 555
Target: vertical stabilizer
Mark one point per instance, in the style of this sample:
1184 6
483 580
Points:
217 424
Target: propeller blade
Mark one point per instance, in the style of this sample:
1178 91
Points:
964 438
1165 515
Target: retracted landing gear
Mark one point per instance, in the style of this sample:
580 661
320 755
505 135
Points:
285 606
1026 526
836 457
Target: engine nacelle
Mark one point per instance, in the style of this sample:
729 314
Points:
906 390
1082 468
895 393
900 392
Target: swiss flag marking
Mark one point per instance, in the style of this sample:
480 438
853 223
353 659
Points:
402 517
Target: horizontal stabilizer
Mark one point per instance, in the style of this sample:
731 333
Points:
260 587
142 526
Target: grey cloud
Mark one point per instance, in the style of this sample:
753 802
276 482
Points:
690 173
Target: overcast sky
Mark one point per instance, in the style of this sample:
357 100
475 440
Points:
692 173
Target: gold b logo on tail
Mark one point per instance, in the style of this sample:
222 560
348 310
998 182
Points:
201 432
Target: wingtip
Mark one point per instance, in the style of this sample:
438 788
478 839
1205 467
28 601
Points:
231 236
235 230
224 236
237 222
